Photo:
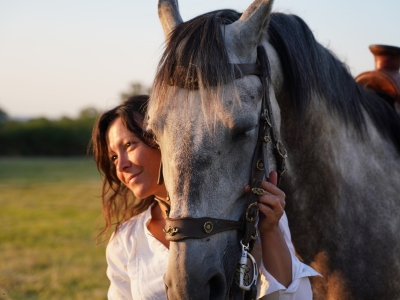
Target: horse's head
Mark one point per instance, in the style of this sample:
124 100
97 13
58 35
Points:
206 122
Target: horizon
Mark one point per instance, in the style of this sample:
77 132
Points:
60 58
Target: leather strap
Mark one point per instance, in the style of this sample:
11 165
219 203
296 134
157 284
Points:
270 132
241 70
197 228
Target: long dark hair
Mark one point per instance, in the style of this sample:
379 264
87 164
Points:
119 203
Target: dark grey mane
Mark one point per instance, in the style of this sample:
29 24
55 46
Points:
195 53
195 57
309 67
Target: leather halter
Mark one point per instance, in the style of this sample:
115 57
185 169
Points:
197 228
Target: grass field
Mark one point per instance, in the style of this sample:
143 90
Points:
50 212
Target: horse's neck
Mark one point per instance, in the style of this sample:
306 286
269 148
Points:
324 140
331 171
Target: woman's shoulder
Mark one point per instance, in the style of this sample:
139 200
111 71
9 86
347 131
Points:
128 230
132 224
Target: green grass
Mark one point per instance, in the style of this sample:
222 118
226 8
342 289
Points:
50 211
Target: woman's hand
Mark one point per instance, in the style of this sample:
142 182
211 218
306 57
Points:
271 205
275 252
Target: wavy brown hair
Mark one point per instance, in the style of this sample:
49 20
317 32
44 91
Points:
119 203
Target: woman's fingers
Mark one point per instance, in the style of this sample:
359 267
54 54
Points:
273 177
270 189
273 196
277 204
271 212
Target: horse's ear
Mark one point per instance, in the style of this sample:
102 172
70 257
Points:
250 28
168 12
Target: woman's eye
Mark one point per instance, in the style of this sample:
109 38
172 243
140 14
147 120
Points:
114 158
130 144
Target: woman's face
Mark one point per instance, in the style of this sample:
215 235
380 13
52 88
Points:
137 165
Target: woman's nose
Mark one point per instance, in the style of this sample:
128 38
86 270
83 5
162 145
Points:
123 162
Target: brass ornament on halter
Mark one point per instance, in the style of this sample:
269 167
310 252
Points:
254 234
266 119
252 212
171 230
208 227
266 139
282 172
260 165
258 191
281 149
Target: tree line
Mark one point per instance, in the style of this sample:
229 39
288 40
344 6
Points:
44 137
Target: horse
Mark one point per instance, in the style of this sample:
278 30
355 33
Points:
343 143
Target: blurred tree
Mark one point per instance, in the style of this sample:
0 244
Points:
89 113
3 116
43 137
136 88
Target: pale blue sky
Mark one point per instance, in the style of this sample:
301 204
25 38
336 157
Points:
59 56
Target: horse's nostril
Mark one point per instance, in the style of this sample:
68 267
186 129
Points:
217 287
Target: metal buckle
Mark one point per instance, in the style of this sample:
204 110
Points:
244 281
266 139
251 218
258 191
265 118
281 150
254 235
171 230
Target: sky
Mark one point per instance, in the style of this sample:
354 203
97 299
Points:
58 57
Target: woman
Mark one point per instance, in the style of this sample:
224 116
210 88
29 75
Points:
134 199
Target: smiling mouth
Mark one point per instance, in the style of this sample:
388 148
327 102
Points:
132 177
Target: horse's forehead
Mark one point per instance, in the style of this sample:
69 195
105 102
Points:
238 52
229 108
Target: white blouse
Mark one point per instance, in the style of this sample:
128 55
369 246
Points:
137 262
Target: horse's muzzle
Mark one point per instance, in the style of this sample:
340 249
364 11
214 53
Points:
214 289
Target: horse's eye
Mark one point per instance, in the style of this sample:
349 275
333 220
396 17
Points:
244 133
240 135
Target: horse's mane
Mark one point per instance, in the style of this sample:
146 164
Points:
306 64
195 58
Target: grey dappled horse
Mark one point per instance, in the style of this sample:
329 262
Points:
343 180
